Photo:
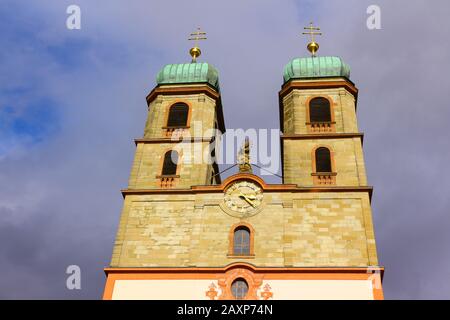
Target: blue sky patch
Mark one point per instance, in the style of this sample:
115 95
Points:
30 124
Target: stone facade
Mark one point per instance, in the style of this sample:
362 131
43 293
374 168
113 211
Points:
193 143
295 229
203 111
347 158
309 231
296 114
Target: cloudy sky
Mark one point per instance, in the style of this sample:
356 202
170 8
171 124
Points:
72 101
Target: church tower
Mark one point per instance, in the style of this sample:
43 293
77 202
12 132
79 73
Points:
186 234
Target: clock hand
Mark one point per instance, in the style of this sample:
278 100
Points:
249 196
247 199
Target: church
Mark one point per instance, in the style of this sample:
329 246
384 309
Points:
187 234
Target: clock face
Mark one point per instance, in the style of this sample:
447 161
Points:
244 197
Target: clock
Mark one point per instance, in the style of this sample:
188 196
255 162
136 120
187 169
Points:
243 199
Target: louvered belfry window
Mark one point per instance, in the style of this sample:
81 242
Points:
178 115
323 160
170 163
319 110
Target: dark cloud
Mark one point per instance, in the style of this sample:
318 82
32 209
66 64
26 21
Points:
59 196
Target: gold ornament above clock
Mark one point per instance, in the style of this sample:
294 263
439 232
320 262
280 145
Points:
243 199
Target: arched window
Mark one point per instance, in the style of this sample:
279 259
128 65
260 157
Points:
239 288
241 241
178 115
319 110
170 163
323 160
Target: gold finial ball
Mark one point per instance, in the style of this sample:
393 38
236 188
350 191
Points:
195 53
313 47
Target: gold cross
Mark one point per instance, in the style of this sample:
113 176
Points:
196 36
313 31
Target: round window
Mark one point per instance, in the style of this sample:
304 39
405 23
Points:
239 288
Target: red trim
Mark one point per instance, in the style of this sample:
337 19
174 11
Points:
253 275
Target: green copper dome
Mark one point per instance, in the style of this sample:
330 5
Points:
189 73
316 67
